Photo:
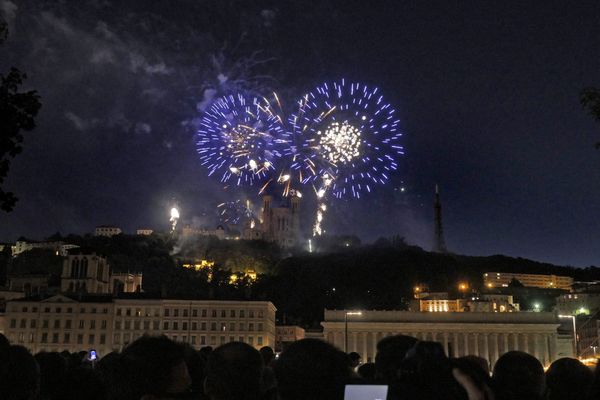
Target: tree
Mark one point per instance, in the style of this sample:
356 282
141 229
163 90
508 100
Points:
590 100
515 283
17 113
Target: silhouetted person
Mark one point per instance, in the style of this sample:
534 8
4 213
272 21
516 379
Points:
426 373
595 390
312 369
568 378
109 371
4 343
267 354
269 382
205 352
82 383
367 372
196 365
354 359
391 351
53 368
153 368
19 374
518 376
477 361
234 372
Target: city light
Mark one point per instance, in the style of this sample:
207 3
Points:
463 286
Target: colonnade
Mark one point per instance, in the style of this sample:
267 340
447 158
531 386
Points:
489 345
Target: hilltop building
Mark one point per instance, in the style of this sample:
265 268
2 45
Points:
107 230
89 273
59 247
144 232
480 303
503 279
282 224
189 231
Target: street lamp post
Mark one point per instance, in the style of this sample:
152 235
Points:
346 313
574 330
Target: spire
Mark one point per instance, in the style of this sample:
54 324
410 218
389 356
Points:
439 245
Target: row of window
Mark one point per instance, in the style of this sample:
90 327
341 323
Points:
58 310
177 325
185 312
137 325
193 339
56 338
175 312
57 324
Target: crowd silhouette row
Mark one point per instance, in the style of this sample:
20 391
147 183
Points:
155 367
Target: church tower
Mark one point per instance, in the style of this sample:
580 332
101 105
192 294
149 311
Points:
439 244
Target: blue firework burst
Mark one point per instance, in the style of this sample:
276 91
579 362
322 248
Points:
344 134
237 139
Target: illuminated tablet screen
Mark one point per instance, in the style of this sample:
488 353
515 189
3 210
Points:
365 392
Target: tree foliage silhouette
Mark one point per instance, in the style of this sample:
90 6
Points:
590 100
17 113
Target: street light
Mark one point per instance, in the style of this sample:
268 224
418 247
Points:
346 313
574 329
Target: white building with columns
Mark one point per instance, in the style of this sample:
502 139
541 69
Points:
488 335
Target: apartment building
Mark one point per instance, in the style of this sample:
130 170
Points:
503 279
100 322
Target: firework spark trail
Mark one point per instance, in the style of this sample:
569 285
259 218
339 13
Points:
235 212
174 218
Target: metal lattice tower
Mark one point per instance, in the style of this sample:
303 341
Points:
439 244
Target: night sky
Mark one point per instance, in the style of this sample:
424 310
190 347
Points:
487 95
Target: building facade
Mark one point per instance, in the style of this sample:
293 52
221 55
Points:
144 232
578 303
281 224
480 303
126 282
107 230
488 335
503 279
106 324
60 248
287 334
85 273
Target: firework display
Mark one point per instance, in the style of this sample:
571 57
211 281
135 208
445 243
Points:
237 139
343 140
235 212
348 132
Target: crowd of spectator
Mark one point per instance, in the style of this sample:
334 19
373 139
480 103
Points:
157 368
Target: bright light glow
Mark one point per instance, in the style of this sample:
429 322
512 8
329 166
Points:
174 213
353 312
252 164
234 170
321 193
